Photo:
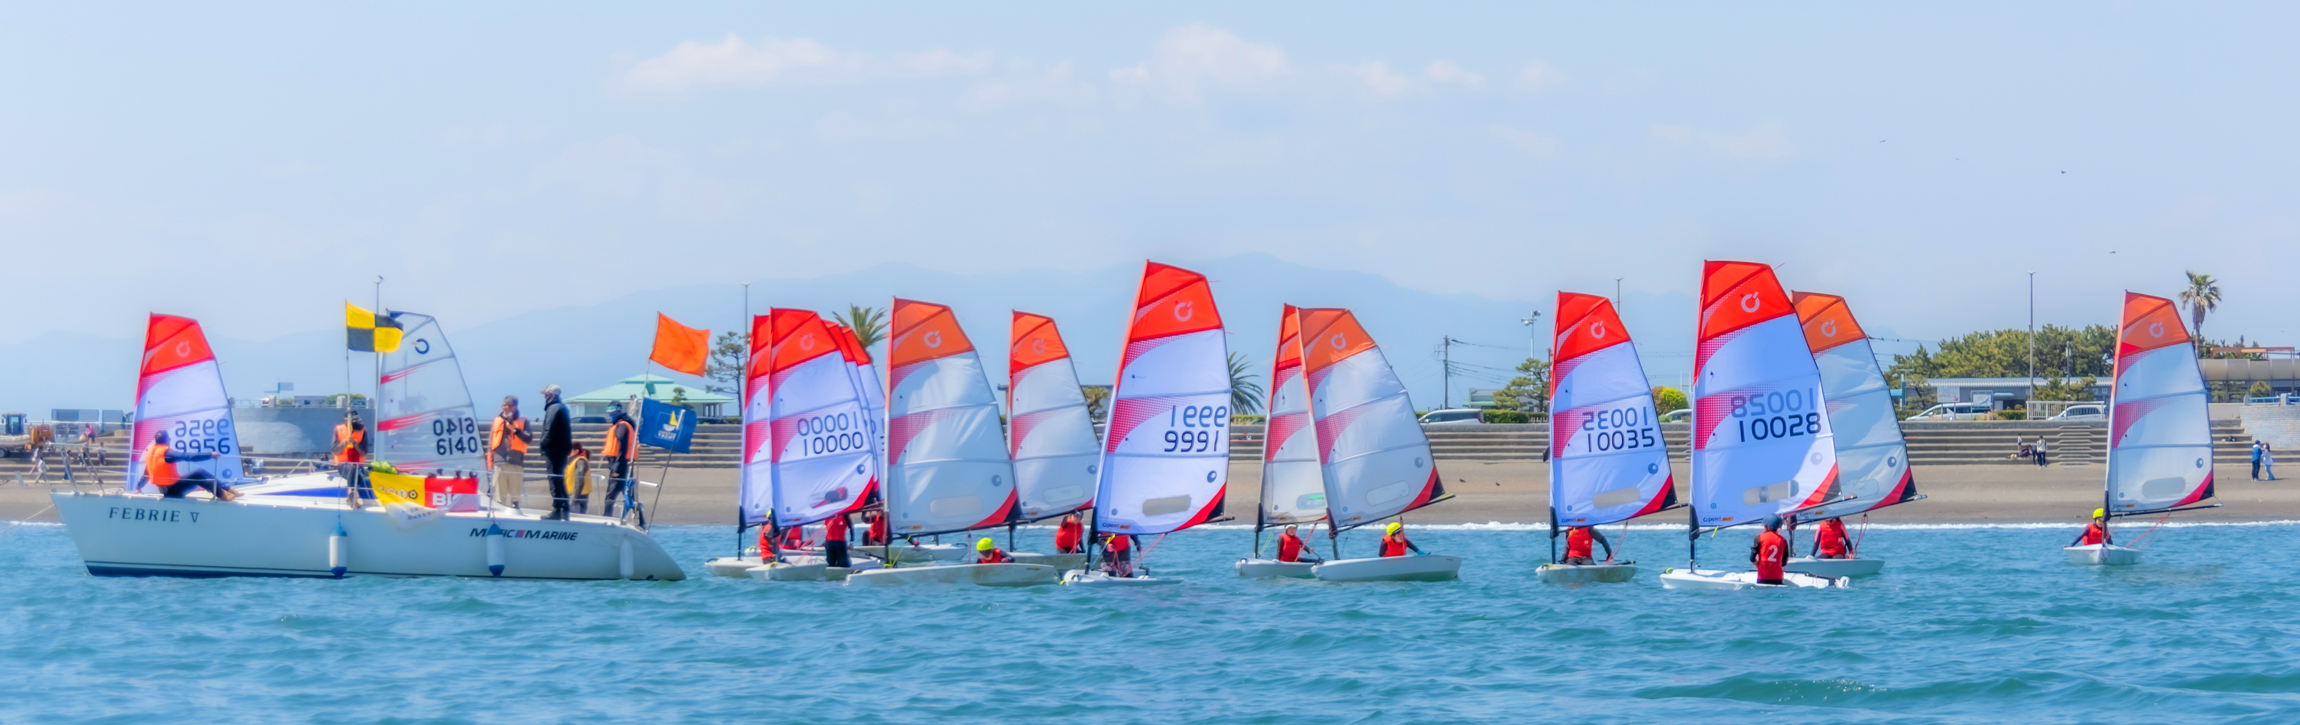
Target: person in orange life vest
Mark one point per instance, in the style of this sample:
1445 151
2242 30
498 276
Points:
507 443
1394 541
1291 547
835 541
877 534
2095 532
1118 555
350 439
1578 549
160 472
1829 541
1770 552
621 450
1069 536
986 552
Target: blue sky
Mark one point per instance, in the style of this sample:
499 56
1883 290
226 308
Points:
253 164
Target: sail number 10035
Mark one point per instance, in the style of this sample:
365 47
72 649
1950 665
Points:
1196 428
1779 414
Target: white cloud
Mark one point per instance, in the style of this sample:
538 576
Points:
1383 82
1526 140
1193 59
734 61
1768 140
1540 76
1444 71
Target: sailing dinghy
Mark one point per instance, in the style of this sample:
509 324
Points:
1761 444
314 525
1166 456
1872 459
1607 461
1051 434
948 469
1293 486
808 448
1373 458
2159 430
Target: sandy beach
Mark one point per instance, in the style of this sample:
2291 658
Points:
1517 492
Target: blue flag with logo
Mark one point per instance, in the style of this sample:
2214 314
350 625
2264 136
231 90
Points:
666 426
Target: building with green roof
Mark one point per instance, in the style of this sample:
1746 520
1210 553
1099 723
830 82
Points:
654 387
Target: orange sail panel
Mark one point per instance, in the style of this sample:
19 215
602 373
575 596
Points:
1607 459
1375 461
1872 459
1293 482
180 391
807 435
1165 462
947 465
1052 441
2159 427
1761 440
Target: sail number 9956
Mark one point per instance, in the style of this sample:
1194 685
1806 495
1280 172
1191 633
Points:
1780 414
1195 428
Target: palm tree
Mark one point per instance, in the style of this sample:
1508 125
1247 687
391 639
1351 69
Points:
1245 394
2202 297
1097 401
869 324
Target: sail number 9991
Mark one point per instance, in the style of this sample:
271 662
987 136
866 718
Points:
1773 415
1196 428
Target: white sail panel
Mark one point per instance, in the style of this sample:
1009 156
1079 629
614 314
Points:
819 436
426 423
2160 432
1376 462
1760 431
1607 459
1165 462
1872 459
1055 450
947 462
180 391
1293 480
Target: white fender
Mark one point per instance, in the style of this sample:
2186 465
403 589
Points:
495 538
335 552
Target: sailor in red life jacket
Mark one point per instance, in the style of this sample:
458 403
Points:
835 541
2095 532
1829 540
1394 541
1579 549
1291 547
1118 555
1069 537
1770 552
987 552
877 534
767 551
795 537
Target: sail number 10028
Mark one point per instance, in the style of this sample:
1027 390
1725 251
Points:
1196 428
1778 414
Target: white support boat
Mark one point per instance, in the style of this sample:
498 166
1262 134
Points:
1060 562
1416 568
1574 574
1096 579
1713 579
986 575
2101 555
1272 568
1835 567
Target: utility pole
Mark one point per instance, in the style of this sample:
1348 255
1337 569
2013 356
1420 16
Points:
1445 397
1617 295
2032 335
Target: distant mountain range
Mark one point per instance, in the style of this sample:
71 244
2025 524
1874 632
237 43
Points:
585 347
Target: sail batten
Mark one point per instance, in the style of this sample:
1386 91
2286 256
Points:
1607 460
2160 434
1761 436
1165 459
1375 461
1872 457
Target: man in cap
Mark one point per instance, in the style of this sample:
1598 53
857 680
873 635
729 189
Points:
1770 552
621 450
2095 532
558 444
507 443
1394 542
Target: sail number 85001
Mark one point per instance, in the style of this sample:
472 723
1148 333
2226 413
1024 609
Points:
1779 414
1195 428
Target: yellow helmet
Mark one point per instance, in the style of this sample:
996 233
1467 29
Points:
984 544
1393 528
2099 513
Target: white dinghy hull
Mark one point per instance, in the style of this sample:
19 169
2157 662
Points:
144 535
1712 579
1270 568
1060 562
1418 568
985 575
1082 578
738 567
2102 555
1835 567
785 572
1586 573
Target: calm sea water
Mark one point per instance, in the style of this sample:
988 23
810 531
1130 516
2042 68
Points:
1967 625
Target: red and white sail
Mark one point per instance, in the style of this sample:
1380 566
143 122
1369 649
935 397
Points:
873 392
947 466
807 445
2159 427
1375 460
1607 460
425 423
1872 459
1293 482
1056 453
180 390
1761 441
1166 458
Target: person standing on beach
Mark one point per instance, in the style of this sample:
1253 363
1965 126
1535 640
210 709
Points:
558 443
2040 451
2256 459
2268 460
1770 552
507 443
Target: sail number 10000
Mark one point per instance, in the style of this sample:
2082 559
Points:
1775 415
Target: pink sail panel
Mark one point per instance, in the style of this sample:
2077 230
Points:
1293 481
1375 460
1761 439
2160 432
1872 459
180 391
1165 462
818 442
1050 431
947 465
1607 459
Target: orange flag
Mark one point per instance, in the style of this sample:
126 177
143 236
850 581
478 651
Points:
680 347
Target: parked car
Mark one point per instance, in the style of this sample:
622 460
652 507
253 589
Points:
1953 411
1680 415
2088 411
1454 416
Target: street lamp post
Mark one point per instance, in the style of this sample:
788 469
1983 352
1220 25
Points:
2032 335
